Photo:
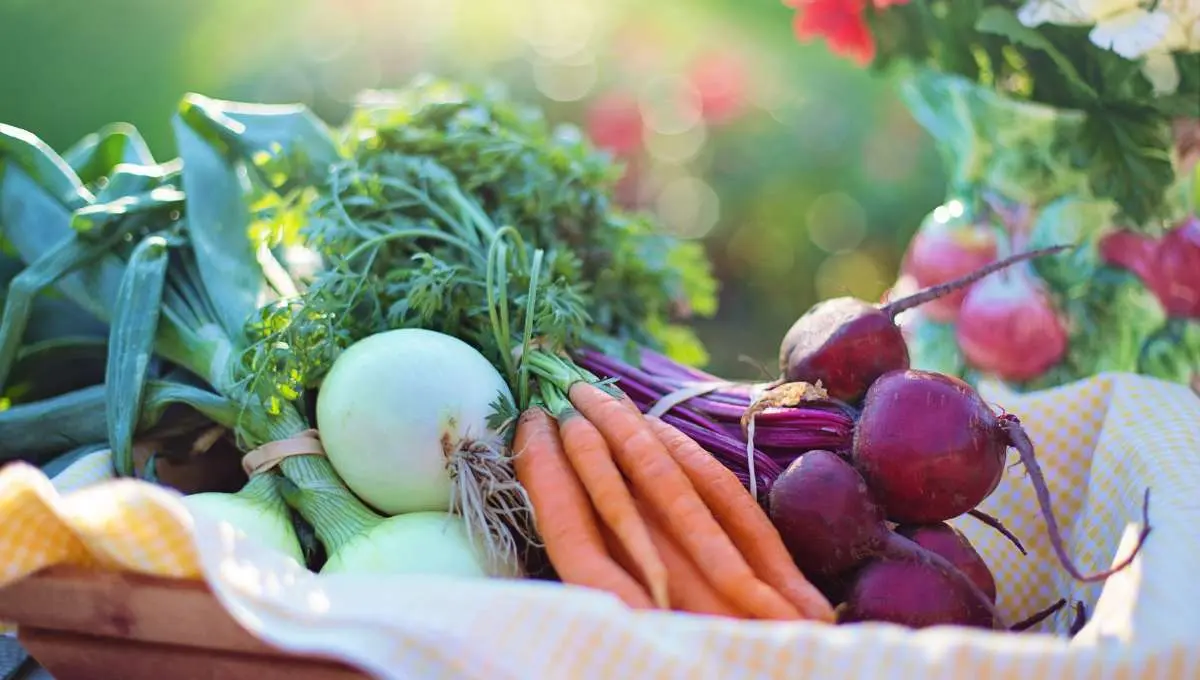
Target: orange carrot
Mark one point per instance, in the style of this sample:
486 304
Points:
655 476
745 522
589 456
564 515
690 591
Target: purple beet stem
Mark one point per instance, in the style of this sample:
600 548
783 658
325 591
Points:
713 420
892 309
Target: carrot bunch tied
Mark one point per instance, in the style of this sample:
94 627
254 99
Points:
628 504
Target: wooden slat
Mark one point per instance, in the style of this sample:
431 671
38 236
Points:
79 657
125 606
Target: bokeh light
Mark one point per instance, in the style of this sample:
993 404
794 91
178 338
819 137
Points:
689 207
671 105
802 174
855 274
836 222
565 80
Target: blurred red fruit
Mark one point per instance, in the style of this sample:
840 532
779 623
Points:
1008 327
614 122
942 253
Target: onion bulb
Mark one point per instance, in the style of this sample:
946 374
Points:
396 410
257 511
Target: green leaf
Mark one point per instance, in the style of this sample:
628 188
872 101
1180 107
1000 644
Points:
132 180
1173 352
33 430
22 149
69 255
35 223
932 347
1002 21
131 346
1018 149
218 221
98 154
1110 322
91 222
286 144
1128 159
57 366
1072 219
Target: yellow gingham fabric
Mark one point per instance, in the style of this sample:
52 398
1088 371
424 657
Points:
1101 442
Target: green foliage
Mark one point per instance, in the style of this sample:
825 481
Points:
1123 145
1173 352
461 212
1110 321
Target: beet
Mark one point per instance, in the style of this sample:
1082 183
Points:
831 525
825 514
944 252
846 343
911 594
930 449
1169 266
949 542
928 446
1008 327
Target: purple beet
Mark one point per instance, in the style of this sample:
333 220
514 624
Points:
949 542
831 525
930 449
846 343
911 594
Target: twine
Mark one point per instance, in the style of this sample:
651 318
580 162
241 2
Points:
271 454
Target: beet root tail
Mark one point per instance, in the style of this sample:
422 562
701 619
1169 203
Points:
1019 440
998 526
1038 617
892 309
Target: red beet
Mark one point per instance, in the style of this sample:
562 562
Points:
942 253
949 542
831 525
1130 251
846 343
1170 267
825 514
1008 327
911 594
930 449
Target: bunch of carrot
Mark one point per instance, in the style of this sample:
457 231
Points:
628 504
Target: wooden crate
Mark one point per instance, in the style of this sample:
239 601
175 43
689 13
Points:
89 625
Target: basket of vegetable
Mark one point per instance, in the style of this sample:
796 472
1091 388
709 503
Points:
441 357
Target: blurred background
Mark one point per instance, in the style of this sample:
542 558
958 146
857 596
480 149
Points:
802 173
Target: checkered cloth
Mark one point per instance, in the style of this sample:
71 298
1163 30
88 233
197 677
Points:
1101 443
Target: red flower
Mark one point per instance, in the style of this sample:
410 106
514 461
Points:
842 23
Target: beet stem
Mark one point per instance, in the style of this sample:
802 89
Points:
998 526
895 307
898 547
1019 440
1039 616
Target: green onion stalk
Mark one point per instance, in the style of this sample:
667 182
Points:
207 277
